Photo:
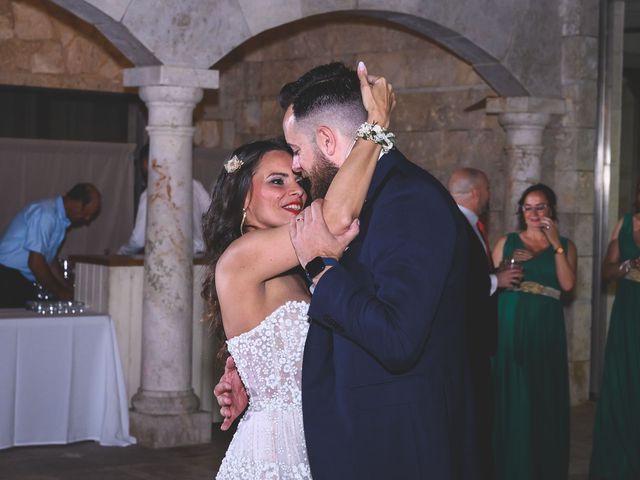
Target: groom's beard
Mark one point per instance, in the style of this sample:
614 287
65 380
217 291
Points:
321 176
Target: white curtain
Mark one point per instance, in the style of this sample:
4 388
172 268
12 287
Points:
32 170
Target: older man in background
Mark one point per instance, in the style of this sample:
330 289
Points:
29 246
470 189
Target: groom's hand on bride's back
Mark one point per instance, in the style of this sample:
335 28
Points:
230 394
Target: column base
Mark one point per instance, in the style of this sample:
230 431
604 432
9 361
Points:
161 431
153 402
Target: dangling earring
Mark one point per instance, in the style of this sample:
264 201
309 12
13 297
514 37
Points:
244 217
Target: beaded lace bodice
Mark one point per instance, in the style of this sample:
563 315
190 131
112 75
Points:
269 357
269 442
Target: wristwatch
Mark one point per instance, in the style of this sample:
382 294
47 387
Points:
317 265
559 251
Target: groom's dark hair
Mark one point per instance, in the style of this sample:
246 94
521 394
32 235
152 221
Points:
318 85
326 88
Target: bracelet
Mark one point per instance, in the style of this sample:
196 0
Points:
377 134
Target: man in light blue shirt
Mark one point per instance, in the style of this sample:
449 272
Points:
29 246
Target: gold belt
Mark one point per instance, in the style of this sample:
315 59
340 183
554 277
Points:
538 289
633 275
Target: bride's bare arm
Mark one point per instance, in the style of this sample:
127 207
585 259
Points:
346 194
262 254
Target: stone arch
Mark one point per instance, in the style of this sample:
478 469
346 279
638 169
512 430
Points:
488 67
101 15
186 34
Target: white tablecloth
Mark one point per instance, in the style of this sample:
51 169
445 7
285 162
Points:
60 380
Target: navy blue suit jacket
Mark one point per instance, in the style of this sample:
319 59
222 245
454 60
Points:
385 386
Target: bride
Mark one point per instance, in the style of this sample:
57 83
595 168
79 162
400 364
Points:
259 299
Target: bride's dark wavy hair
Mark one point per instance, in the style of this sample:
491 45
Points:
221 223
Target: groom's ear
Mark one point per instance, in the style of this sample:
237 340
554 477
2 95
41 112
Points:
326 140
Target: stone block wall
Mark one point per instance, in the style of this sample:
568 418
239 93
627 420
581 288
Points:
42 45
571 162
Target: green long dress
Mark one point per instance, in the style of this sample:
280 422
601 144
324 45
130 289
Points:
616 435
531 434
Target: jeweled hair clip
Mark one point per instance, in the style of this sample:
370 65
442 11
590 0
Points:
233 164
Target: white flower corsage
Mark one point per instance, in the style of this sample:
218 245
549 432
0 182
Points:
377 134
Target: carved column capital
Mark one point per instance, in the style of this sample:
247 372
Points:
524 120
170 106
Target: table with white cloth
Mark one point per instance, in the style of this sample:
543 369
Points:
60 380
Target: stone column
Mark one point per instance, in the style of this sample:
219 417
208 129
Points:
165 408
524 120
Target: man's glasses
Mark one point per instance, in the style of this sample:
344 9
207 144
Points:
530 208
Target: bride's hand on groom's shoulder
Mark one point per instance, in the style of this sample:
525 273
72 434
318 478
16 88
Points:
230 394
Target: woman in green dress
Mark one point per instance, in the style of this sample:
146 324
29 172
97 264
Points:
531 431
616 435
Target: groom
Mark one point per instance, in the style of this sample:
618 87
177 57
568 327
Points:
385 384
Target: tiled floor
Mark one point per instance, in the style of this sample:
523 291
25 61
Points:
88 460
581 430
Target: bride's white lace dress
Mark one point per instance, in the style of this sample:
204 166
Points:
269 442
